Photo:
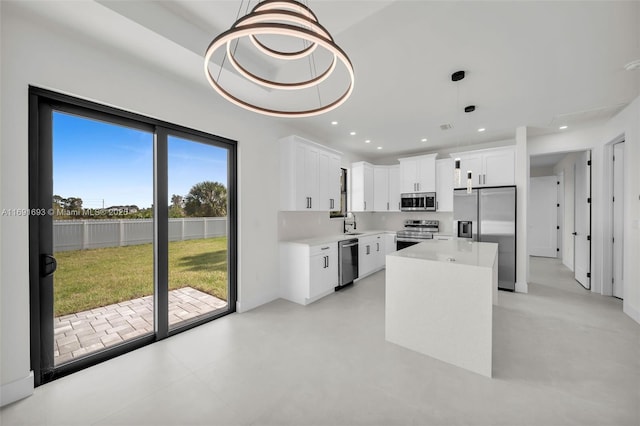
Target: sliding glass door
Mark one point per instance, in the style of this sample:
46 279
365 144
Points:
132 236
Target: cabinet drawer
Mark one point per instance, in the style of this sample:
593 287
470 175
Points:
324 248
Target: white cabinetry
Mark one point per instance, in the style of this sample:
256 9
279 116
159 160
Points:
418 174
362 187
444 185
389 243
386 188
308 273
309 180
489 167
329 183
371 254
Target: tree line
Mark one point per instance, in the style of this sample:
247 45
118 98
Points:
205 199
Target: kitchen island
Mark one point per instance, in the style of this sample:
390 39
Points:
439 301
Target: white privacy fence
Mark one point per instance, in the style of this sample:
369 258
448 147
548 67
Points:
88 234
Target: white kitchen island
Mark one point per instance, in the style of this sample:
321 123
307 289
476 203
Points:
439 301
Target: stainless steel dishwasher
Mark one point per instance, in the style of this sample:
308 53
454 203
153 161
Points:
348 270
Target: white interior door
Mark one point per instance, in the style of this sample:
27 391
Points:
543 216
618 218
582 220
561 202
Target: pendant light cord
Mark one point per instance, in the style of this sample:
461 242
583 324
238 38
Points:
237 41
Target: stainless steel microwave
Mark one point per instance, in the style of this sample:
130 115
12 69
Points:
418 201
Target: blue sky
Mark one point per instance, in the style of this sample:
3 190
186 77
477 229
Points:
99 161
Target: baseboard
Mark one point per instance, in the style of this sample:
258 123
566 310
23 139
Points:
16 390
247 305
522 287
631 311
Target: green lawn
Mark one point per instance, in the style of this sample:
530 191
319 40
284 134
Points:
87 279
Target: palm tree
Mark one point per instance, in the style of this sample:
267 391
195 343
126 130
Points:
206 199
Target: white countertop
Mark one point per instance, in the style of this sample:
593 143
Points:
456 251
337 237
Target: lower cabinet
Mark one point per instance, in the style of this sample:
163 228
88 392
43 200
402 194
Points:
390 244
371 254
308 273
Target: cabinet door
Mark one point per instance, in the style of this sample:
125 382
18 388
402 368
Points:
389 243
361 187
379 251
307 162
323 268
499 168
444 185
471 163
335 174
427 174
323 182
394 188
380 188
408 175
365 256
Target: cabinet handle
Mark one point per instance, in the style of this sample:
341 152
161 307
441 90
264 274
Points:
327 261
331 202
325 248
484 179
310 202
365 205
479 179
437 205
377 246
368 251
387 205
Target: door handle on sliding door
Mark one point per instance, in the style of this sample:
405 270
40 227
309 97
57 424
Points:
48 265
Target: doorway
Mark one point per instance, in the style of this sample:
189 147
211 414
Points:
111 269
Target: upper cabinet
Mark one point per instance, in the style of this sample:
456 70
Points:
444 185
386 186
309 176
362 184
489 167
418 174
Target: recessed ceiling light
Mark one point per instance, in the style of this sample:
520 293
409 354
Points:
563 127
379 147
352 133
334 123
481 129
367 141
423 140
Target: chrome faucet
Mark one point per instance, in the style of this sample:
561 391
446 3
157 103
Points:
351 223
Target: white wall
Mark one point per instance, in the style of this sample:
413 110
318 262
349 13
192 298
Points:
40 53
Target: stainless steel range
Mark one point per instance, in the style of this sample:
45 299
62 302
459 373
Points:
416 231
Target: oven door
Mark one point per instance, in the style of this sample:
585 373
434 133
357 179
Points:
430 202
412 202
408 242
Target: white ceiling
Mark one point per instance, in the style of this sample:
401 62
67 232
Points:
539 64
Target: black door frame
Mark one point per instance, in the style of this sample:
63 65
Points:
42 103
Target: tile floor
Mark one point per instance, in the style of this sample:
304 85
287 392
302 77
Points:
562 356
76 335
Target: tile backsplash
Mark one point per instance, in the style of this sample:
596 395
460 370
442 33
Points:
298 225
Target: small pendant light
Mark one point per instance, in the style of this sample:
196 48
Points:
469 182
457 178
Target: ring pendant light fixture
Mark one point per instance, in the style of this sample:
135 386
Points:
288 18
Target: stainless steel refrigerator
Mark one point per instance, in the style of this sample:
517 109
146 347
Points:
489 215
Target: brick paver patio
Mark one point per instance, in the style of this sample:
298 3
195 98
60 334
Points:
78 334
